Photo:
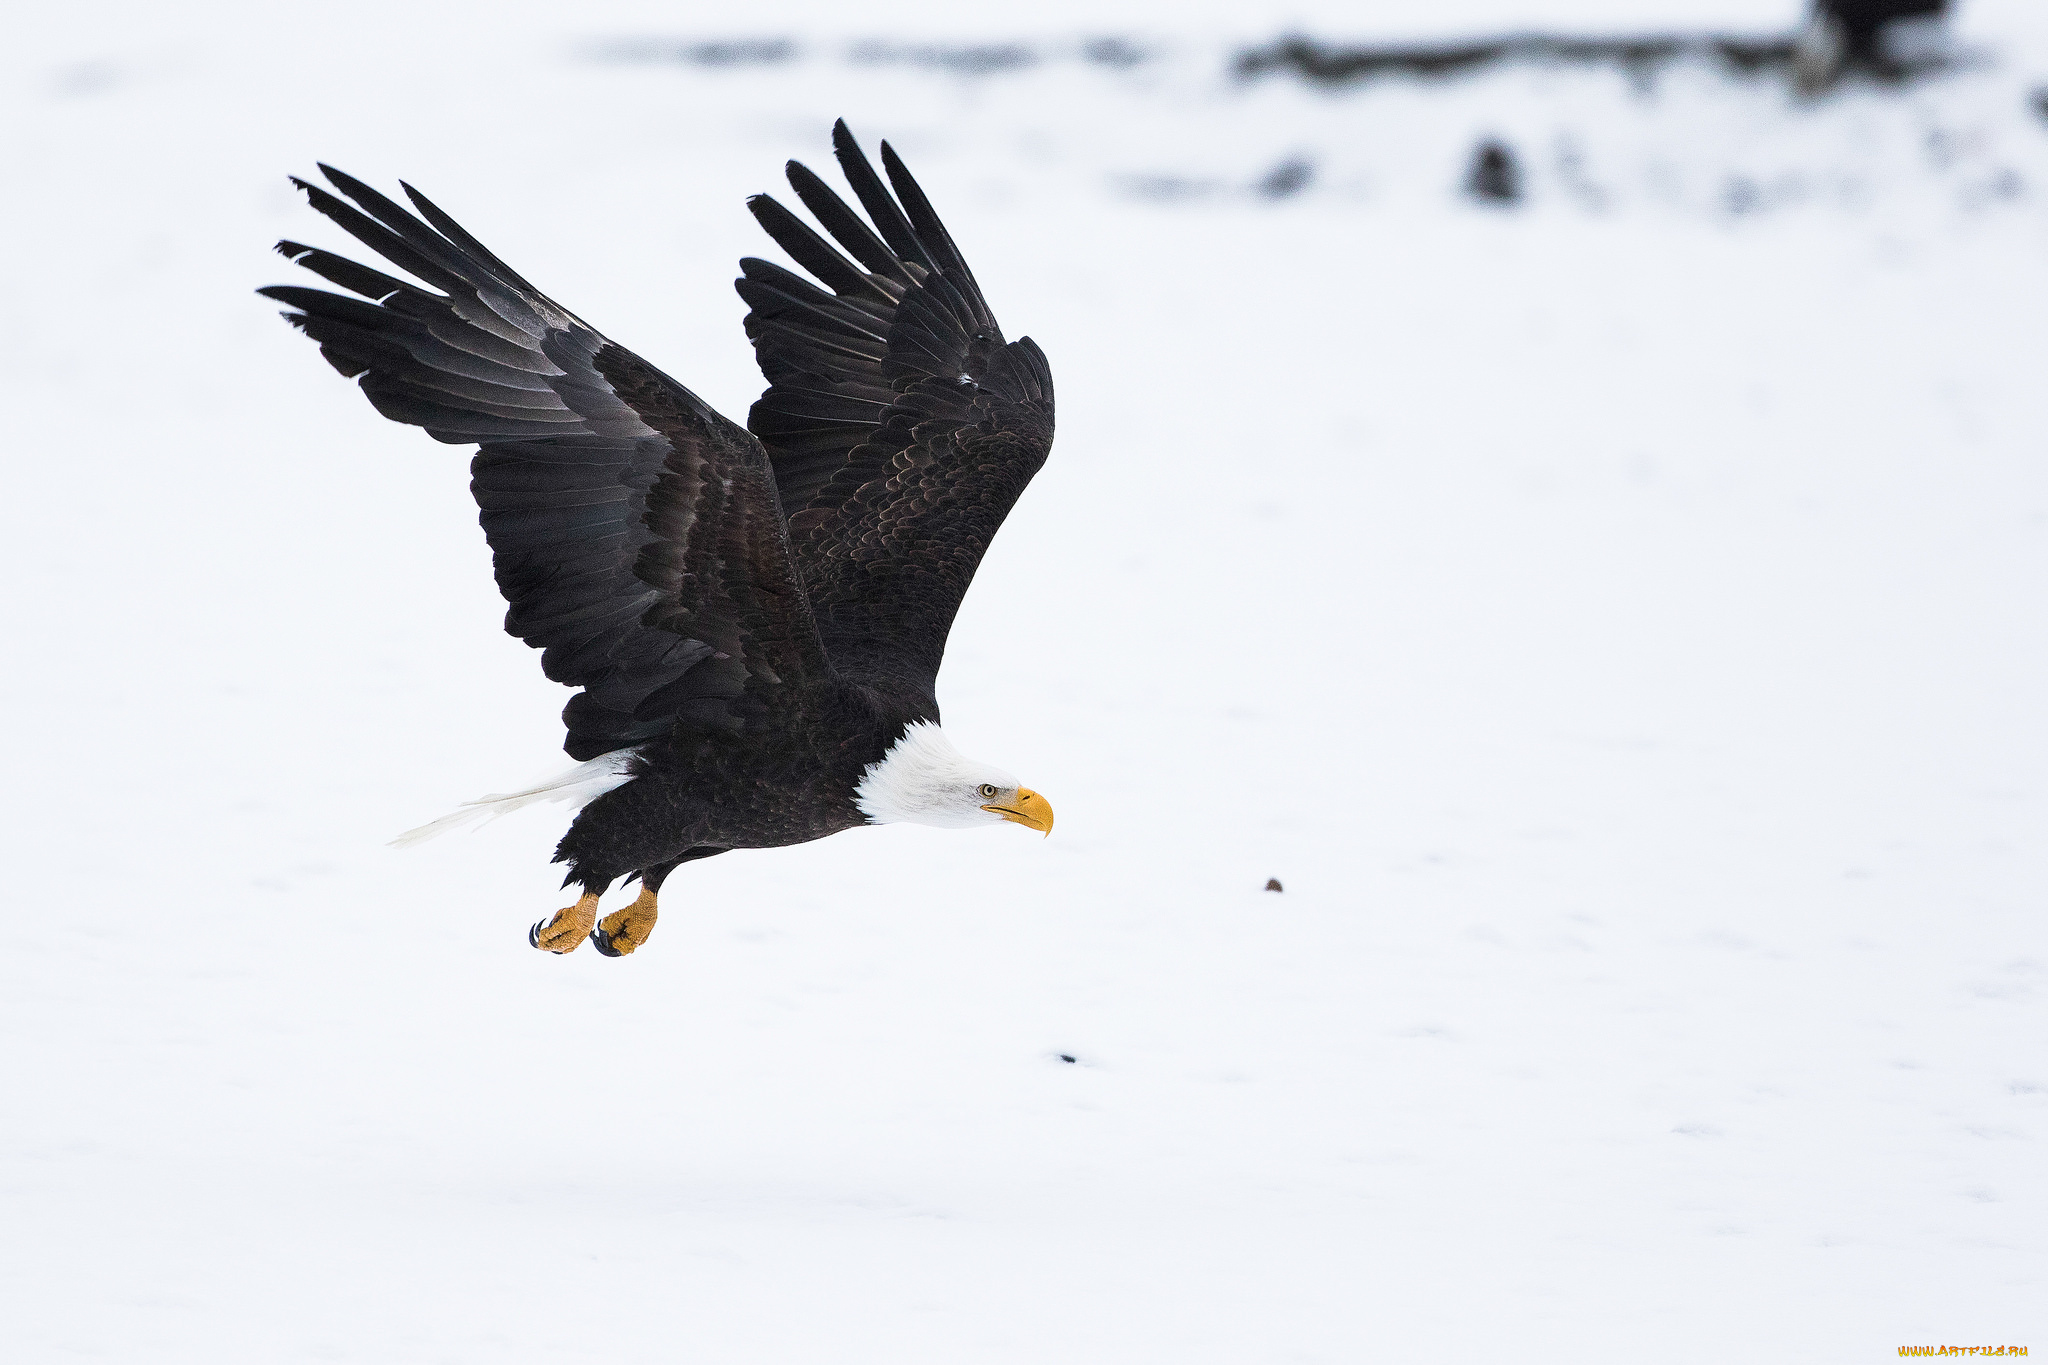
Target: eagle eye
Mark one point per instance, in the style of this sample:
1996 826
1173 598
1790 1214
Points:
988 791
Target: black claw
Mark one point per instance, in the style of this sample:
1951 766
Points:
602 941
533 935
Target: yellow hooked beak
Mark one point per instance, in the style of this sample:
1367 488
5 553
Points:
1029 810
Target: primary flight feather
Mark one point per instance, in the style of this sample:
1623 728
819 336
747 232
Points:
754 617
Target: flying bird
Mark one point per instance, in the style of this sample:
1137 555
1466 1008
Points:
754 617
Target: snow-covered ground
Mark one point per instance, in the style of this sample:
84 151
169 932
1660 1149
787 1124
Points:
1619 622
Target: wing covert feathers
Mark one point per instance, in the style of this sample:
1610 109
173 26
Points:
638 537
902 427
634 532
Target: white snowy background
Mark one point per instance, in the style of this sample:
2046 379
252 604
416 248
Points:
1619 622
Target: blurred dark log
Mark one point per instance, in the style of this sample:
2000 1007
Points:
1839 35
1343 64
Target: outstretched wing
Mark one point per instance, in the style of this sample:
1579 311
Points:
636 534
901 426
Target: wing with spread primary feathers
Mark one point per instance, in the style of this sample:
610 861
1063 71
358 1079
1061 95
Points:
901 425
636 533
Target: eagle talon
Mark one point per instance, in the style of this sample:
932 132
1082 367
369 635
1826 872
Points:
624 930
566 928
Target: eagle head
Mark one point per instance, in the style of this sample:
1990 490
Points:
924 780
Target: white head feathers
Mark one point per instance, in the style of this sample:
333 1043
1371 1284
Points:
923 780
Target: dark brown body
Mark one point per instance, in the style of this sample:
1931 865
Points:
696 794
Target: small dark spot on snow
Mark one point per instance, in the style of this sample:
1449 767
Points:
1494 176
1290 177
1121 53
1067 1057
1742 195
1273 884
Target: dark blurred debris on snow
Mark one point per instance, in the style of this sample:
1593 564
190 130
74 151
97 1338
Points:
1121 53
719 52
1890 39
1273 884
959 59
1288 178
1494 177
967 59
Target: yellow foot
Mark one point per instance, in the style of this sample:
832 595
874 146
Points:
624 930
567 929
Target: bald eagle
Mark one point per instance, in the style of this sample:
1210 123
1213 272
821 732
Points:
754 617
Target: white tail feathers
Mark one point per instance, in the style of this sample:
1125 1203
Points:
579 786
